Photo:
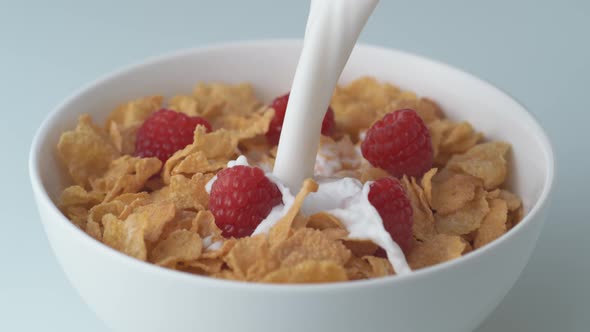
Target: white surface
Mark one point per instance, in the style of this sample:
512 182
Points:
332 29
535 50
131 295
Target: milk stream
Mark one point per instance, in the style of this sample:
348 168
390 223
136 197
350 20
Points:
333 26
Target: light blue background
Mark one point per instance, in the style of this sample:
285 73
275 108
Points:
538 51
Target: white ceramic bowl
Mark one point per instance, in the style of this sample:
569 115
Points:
130 295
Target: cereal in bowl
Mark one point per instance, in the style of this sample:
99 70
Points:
188 185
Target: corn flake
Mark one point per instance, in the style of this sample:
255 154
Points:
220 146
75 203
380 267
308 272
185 193
203 266
357 268
152 218
188 105
97 212
440 248
183 220
360 248
134 112
179 246
426 108
86 151
453 193
309 244
250 258
126 175
485 161
125 236
282 229
466 219
449 138
356 105
228 98
493 225
423 219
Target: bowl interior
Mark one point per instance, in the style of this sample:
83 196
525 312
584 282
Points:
270 65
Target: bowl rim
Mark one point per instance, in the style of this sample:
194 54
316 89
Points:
102 249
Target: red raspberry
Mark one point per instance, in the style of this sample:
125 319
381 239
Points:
166 132
276 124
389 199
241 197
400 144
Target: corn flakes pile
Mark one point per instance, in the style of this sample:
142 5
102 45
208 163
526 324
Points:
158 212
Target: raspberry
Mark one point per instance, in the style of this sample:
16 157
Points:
166 132
276 124
241 197
389 199
400 144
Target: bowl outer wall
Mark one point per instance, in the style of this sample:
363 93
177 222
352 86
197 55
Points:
131 295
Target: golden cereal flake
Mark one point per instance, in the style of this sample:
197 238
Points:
423 219
310 244
204 224
449 138
356 105
308 272
466 219
126 174
78 196
185 193
93 229
323 220
134 112
97 212
460 138
493 225
153 218
198 162
380 267
426 108
86 151
125 236
188 105
183 220
360 248
75 203
123 123
485 161
250 258
453 193
123 138
246 126
511 199
282 229
219 146
203 266
179 246
226 246
358 268
440 248
225 98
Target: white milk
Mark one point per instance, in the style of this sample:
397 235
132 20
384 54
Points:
333 26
